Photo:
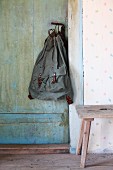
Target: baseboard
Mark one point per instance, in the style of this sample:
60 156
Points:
34 149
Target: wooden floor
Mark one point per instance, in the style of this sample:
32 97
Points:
54 162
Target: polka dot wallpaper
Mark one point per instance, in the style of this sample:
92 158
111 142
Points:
98 67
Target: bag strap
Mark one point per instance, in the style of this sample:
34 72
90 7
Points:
60 44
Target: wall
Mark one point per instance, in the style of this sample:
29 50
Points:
98 67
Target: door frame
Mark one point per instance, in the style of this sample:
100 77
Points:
75 41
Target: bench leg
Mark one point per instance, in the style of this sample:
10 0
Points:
86 133
79 147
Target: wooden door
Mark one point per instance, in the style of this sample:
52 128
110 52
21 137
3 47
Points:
24 26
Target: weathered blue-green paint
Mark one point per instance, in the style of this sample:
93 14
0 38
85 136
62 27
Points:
23 29
33 128
24 26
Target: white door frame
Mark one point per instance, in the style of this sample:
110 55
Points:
76 66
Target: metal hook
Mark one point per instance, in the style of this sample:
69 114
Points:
57 23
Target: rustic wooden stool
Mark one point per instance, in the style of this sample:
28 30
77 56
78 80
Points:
87 113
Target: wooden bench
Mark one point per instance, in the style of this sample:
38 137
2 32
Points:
87 113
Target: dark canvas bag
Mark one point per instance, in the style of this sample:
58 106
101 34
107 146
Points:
50 79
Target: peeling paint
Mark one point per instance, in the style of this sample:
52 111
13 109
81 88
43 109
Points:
74 6
65 120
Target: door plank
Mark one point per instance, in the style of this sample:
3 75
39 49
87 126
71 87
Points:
33 128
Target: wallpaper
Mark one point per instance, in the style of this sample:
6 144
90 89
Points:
98 67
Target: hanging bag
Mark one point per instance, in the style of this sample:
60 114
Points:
50 79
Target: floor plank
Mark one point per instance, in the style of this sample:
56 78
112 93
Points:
55 162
